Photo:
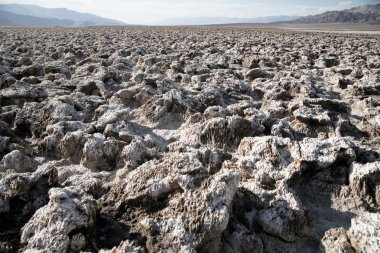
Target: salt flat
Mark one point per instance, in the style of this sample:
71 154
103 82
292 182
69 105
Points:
226 138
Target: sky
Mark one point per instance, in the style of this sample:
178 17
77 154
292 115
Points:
154 11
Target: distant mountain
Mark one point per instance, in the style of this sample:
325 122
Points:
25 14
9 18
223 20
362 14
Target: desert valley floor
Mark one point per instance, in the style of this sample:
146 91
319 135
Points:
189 139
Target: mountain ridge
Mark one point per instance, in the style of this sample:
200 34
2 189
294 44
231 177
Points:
68 17
9 18
34 15
362 14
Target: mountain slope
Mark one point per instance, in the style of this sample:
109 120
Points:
362 14
76 18
9 18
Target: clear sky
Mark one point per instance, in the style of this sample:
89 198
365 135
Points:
153 11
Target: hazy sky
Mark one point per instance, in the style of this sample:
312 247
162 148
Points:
152 11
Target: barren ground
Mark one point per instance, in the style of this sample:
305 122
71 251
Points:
189 139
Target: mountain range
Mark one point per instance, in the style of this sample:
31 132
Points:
224 20
369 14
33 15
26 14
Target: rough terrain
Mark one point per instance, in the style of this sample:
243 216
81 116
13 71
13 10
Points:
188 139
